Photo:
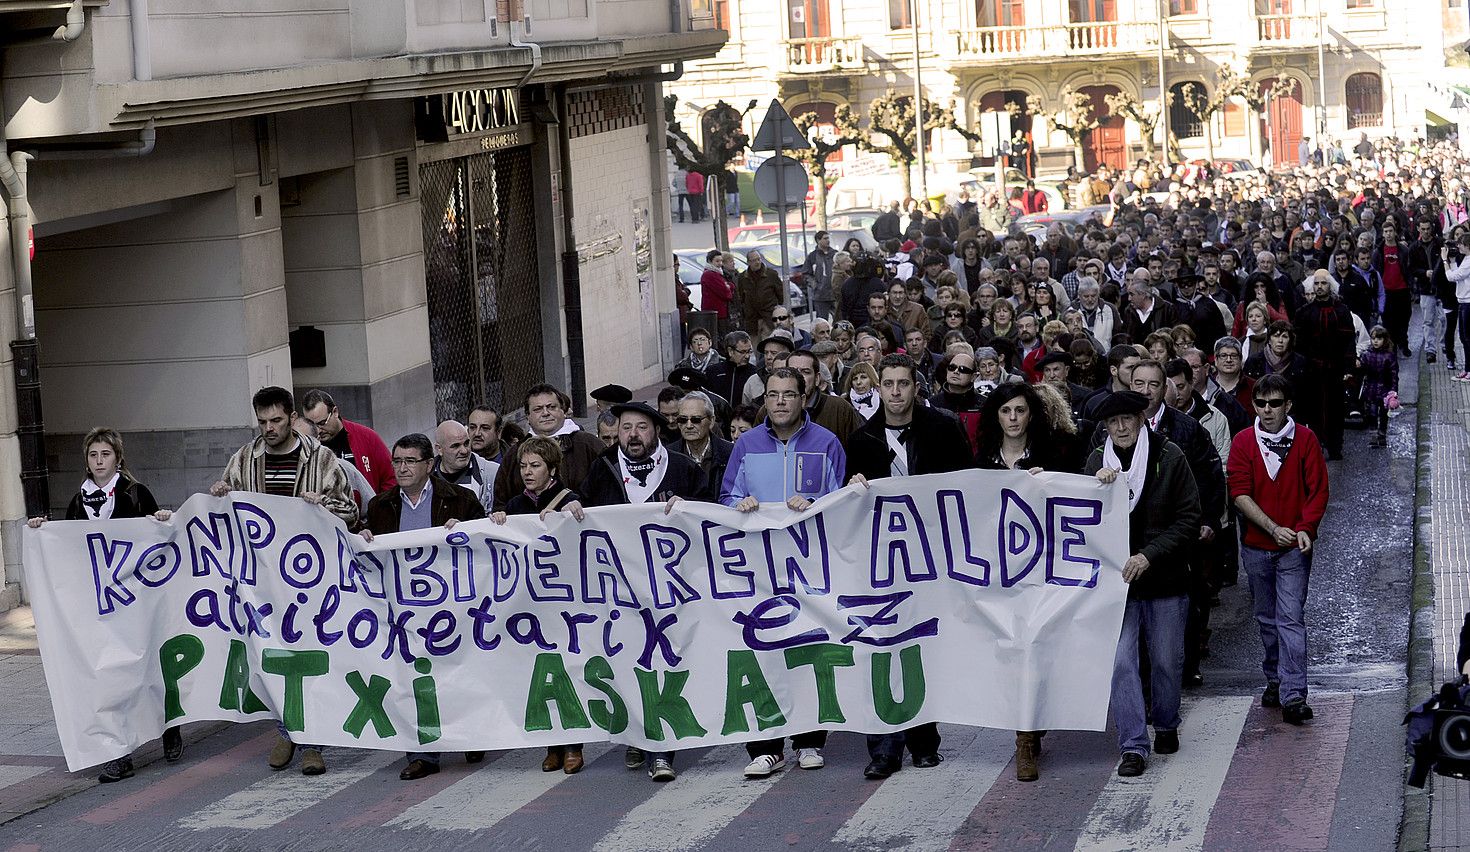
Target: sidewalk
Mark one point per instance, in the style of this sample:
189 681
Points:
1445 468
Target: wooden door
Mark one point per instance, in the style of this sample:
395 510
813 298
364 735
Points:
1106 144
1282 124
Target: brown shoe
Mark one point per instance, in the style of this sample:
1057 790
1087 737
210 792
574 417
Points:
573 763
553 760
1026 749
281 753
311 762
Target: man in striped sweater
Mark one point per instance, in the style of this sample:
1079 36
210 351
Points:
288 463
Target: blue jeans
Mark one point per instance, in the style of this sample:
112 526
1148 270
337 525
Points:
425 756
1432 320
1161 622
286 735
1279 587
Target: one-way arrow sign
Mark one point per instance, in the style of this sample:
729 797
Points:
778 132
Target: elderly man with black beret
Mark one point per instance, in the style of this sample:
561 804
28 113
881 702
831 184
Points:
1163 523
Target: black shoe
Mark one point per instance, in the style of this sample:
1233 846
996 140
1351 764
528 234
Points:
1132 765
1296 712
1166 742
1271 696
1431 357
417 769
880 768
1194 681
928 761
173 744
116 770
474 756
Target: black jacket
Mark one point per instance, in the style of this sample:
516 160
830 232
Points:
131 499
728 379
448 502
1165 525
936 444
556 497
1161 318
719 459
604 484
1199 451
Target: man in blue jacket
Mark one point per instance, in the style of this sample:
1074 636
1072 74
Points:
786 459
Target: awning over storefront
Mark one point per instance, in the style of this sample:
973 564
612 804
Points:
1434 119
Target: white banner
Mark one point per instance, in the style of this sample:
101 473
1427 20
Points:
979 598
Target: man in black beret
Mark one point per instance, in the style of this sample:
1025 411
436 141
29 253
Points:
1055 369
1163 524
609 395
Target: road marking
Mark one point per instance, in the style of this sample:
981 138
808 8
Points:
704 799
1168 807
491 793
13 774
906 814
287 793
176 784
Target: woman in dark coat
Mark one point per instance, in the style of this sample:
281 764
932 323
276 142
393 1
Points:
1280 356
539 459
108 492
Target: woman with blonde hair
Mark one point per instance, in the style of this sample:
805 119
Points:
860 388
110 492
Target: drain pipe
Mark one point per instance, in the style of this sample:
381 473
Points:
29 428
571 267
76 21
519 41
140 147
142 45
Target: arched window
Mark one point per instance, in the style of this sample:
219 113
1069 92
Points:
1183 123
1364 100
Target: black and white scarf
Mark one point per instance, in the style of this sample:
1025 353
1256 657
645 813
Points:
100 501
1275 446
641 478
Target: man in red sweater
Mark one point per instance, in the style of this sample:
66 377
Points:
353 442
1277 478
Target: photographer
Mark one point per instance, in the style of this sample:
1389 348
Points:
865 281
1458 273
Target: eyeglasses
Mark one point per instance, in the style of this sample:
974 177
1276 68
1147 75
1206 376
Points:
956 368
782 396
400 462
1270 403
696 419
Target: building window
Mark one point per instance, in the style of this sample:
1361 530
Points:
899 17
1000 13
1362 4
1183 7
1364 100
1093 11
722 15
1183 123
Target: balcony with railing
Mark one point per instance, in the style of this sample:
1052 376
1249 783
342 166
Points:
1286 31
1044 43
824 55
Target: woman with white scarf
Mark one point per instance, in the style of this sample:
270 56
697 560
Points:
108 492
1163 521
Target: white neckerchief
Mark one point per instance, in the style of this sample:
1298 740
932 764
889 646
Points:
568 426
1138 473
864 409
899 466
640 493
1274 447
103 511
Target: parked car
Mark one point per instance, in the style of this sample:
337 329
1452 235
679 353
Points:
1035 224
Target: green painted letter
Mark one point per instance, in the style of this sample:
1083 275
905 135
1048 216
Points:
891 711
369 707
610 715
824 658
745 683
294 666
176 658
549 682
236 694
666 703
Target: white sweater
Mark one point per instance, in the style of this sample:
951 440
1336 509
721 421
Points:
1459 275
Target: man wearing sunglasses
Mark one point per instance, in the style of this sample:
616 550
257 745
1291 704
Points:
1277 477
697 440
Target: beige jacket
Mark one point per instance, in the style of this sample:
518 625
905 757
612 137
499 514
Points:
317 471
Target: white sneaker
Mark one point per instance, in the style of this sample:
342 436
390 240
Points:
765 765
810 758
662 770
1463 377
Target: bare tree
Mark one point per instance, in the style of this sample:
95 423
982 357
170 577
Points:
1228 84
845 131
725 139
1077 118
892 116
1146 115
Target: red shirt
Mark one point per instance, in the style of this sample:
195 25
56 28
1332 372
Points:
1295 499
1393 271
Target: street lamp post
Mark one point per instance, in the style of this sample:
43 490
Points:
1321 75
1163 87
919 105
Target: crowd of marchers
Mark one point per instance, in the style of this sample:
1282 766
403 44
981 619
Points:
1205 341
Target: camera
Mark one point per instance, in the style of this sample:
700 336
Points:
1439 729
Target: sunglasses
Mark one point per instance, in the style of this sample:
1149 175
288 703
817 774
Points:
696 419
956 368
1269 403
779 317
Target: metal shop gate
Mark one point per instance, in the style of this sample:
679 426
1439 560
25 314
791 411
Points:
483 287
